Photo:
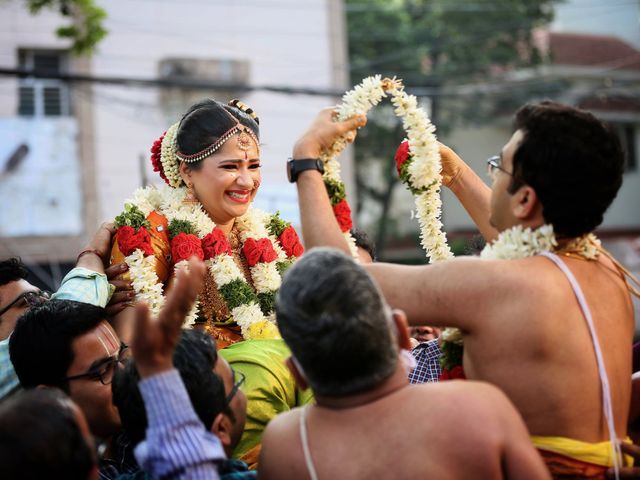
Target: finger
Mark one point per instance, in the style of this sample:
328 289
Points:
182 295
108 226
122 297
353 123
630 449
115 270
121 285
141 323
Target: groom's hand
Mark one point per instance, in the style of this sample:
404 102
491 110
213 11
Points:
324 131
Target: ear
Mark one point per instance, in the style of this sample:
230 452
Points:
525 204
298 376
221 428
402 327
185 173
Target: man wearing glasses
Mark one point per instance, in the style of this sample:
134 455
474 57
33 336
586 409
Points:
71 346
86 283
553 331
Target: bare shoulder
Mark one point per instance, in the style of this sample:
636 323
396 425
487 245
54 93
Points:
279 440
467 399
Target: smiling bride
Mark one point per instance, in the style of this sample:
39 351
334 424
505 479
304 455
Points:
210 161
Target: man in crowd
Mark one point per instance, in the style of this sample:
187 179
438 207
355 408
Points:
71 346
346 345
87 282
43 434
213 389
523 329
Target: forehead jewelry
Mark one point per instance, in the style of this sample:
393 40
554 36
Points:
244 137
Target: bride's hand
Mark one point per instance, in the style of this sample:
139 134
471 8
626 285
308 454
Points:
323 132
452 165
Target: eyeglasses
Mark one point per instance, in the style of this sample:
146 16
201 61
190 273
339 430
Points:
493 164
31 299
104 370
236 386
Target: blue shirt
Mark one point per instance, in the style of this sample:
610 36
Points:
176 446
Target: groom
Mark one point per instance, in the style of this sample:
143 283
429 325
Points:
523 328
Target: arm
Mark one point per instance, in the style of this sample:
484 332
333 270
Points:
457 293
173 424
87 282
319 225
471 191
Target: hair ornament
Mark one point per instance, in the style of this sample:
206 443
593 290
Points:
240 105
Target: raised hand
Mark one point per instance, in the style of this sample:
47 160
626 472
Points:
124 293
154 339
452 166
324 131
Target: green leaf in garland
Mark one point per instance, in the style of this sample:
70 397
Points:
267 302
283 266
451 355
181 226
131 217
335 190
237 293
404 177
277 225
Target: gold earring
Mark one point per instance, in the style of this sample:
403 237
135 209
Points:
190 198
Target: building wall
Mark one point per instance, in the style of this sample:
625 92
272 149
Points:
284 43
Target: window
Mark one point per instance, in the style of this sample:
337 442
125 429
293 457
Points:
43 97
230 73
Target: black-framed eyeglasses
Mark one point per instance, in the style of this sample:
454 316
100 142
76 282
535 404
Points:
104 370
493 164
31 299
236 386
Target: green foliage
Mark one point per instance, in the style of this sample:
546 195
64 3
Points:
267 302
277 225
283 265
436 46
181 226
237 293
87 28
335 190
132 217
451 355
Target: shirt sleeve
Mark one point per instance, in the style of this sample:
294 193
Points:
177 446
84 285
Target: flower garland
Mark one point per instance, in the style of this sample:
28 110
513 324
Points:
269 244
420 169
512 244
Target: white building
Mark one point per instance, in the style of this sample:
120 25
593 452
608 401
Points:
71 152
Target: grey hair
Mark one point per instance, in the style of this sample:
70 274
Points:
336 323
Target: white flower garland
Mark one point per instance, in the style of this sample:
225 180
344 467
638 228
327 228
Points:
425 167
169 202
170 165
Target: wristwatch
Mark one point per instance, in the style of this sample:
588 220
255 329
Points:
295 167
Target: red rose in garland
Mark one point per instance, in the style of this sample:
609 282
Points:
184 246
456 373
342 211
129 240
156 150
256 251
290 242
215 243
402 155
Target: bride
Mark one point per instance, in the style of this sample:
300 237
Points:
210 161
